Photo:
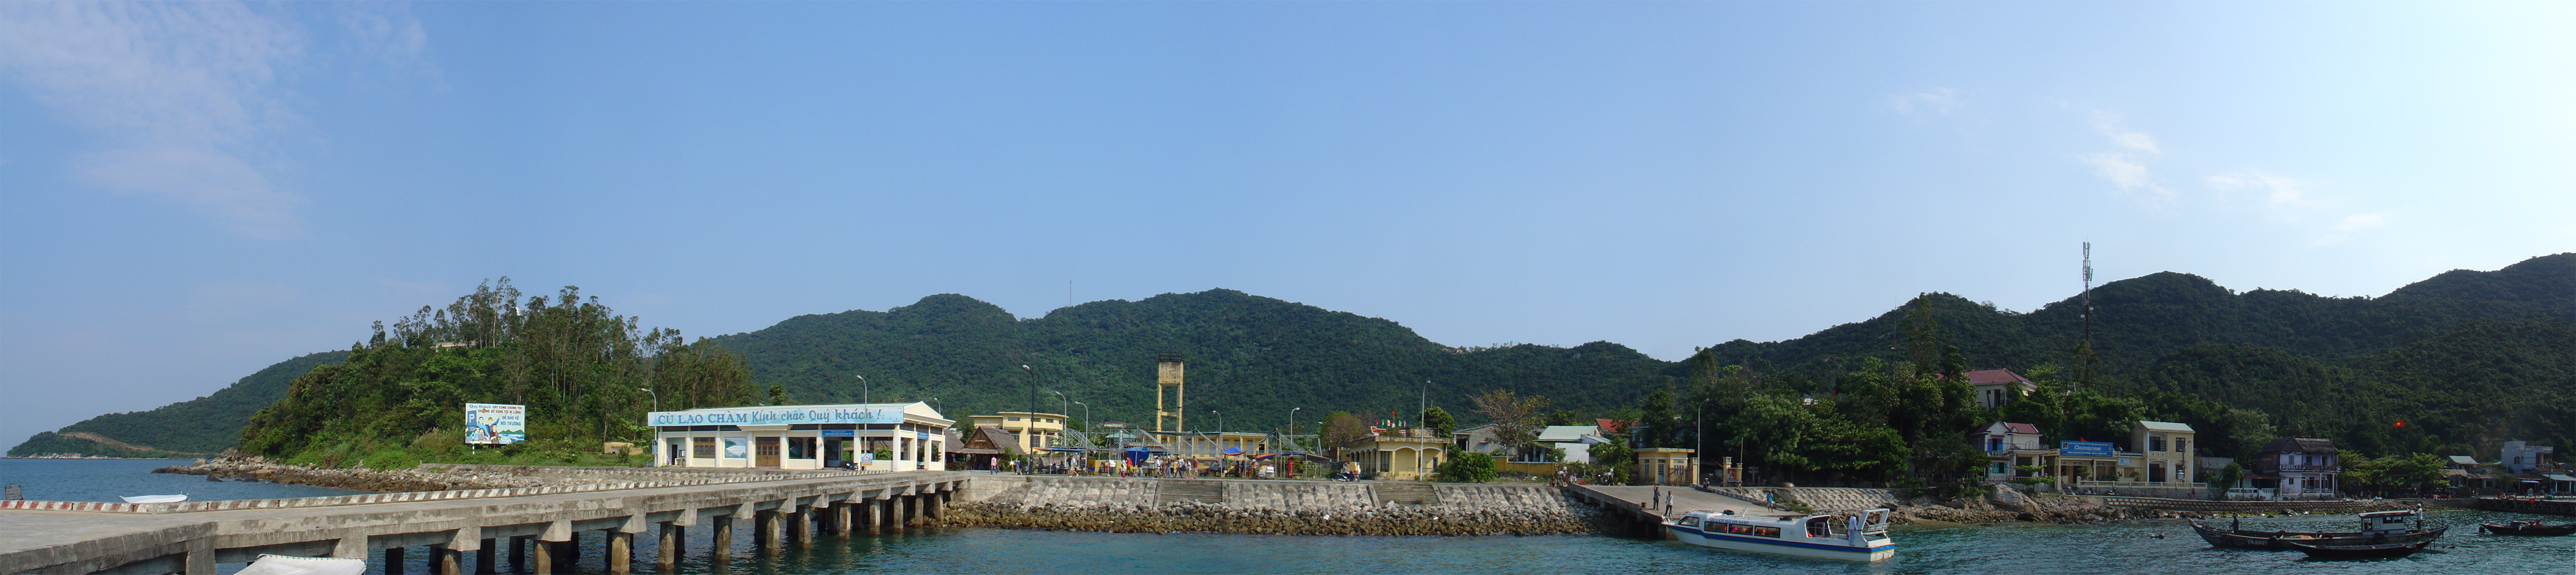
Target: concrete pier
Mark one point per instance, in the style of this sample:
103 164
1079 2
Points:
1643 509
95 541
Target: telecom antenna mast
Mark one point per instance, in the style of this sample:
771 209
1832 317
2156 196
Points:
2088 293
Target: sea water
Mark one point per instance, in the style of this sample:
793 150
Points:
109 479
2011 548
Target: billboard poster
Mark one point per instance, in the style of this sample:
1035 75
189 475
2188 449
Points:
733 449
495 423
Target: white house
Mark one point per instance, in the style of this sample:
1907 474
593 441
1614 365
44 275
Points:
802 436
1997 386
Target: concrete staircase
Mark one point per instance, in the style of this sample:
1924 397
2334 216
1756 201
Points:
1404 492
1191 490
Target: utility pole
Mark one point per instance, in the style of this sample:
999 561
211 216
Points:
1029 426
1423 405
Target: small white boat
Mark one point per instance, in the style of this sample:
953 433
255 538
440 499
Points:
1847 535
154 498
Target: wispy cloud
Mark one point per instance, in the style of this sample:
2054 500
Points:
2350 225
2126 167
1940 101
186 99
2109 124
2276 191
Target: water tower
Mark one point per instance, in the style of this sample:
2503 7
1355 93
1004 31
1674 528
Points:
1167 376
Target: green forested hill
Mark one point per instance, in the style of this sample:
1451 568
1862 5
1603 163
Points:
2468 357
203 425
2138 321
1250 358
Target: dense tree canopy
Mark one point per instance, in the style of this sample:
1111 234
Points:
581 369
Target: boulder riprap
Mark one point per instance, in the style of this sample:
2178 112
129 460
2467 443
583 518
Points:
1187 516
260 469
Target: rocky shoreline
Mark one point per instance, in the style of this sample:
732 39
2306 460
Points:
1188 517
254 468
2004 506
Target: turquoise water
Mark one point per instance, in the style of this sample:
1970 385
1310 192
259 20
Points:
108 479
2004 549
2007 549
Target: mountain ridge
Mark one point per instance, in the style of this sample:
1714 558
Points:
1253 358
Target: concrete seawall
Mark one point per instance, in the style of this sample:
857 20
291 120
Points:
1268 506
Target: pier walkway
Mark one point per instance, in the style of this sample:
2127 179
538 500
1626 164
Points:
1636 506
541 525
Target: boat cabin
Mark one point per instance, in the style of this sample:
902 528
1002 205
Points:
2389 520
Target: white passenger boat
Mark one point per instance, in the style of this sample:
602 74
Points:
1846 535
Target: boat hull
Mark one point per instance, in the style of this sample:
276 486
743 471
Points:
2282 540
2529 531
1748 544
2359 551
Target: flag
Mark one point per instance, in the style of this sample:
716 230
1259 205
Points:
2400 423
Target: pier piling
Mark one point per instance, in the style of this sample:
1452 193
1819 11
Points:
518 554
621 552
800 527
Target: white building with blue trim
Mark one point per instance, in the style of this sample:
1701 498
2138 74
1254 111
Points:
870 436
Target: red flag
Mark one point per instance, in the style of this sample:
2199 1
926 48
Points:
2401 423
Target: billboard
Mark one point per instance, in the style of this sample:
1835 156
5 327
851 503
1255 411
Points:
495 423
2084 449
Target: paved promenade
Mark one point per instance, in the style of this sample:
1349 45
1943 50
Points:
33 541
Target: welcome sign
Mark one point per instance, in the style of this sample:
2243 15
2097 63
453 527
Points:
784 415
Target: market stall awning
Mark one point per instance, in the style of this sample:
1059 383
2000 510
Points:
1233 451
2557 477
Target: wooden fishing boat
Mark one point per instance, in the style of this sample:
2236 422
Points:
2359 551
2528 528
2377 528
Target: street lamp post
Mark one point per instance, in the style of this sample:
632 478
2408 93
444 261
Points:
863 388
657 398
1061 403
1292 423
1086 416
1029 426
1699 440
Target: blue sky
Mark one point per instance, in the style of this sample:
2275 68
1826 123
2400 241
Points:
189 192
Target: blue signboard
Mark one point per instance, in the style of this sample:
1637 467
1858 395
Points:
2084 449
840 433
873 413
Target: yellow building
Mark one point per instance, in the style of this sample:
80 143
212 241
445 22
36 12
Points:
1411 457
2166 451
1666 466
1034 431
1211 446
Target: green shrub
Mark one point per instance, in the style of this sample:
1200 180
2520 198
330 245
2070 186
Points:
392 459
1468 467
